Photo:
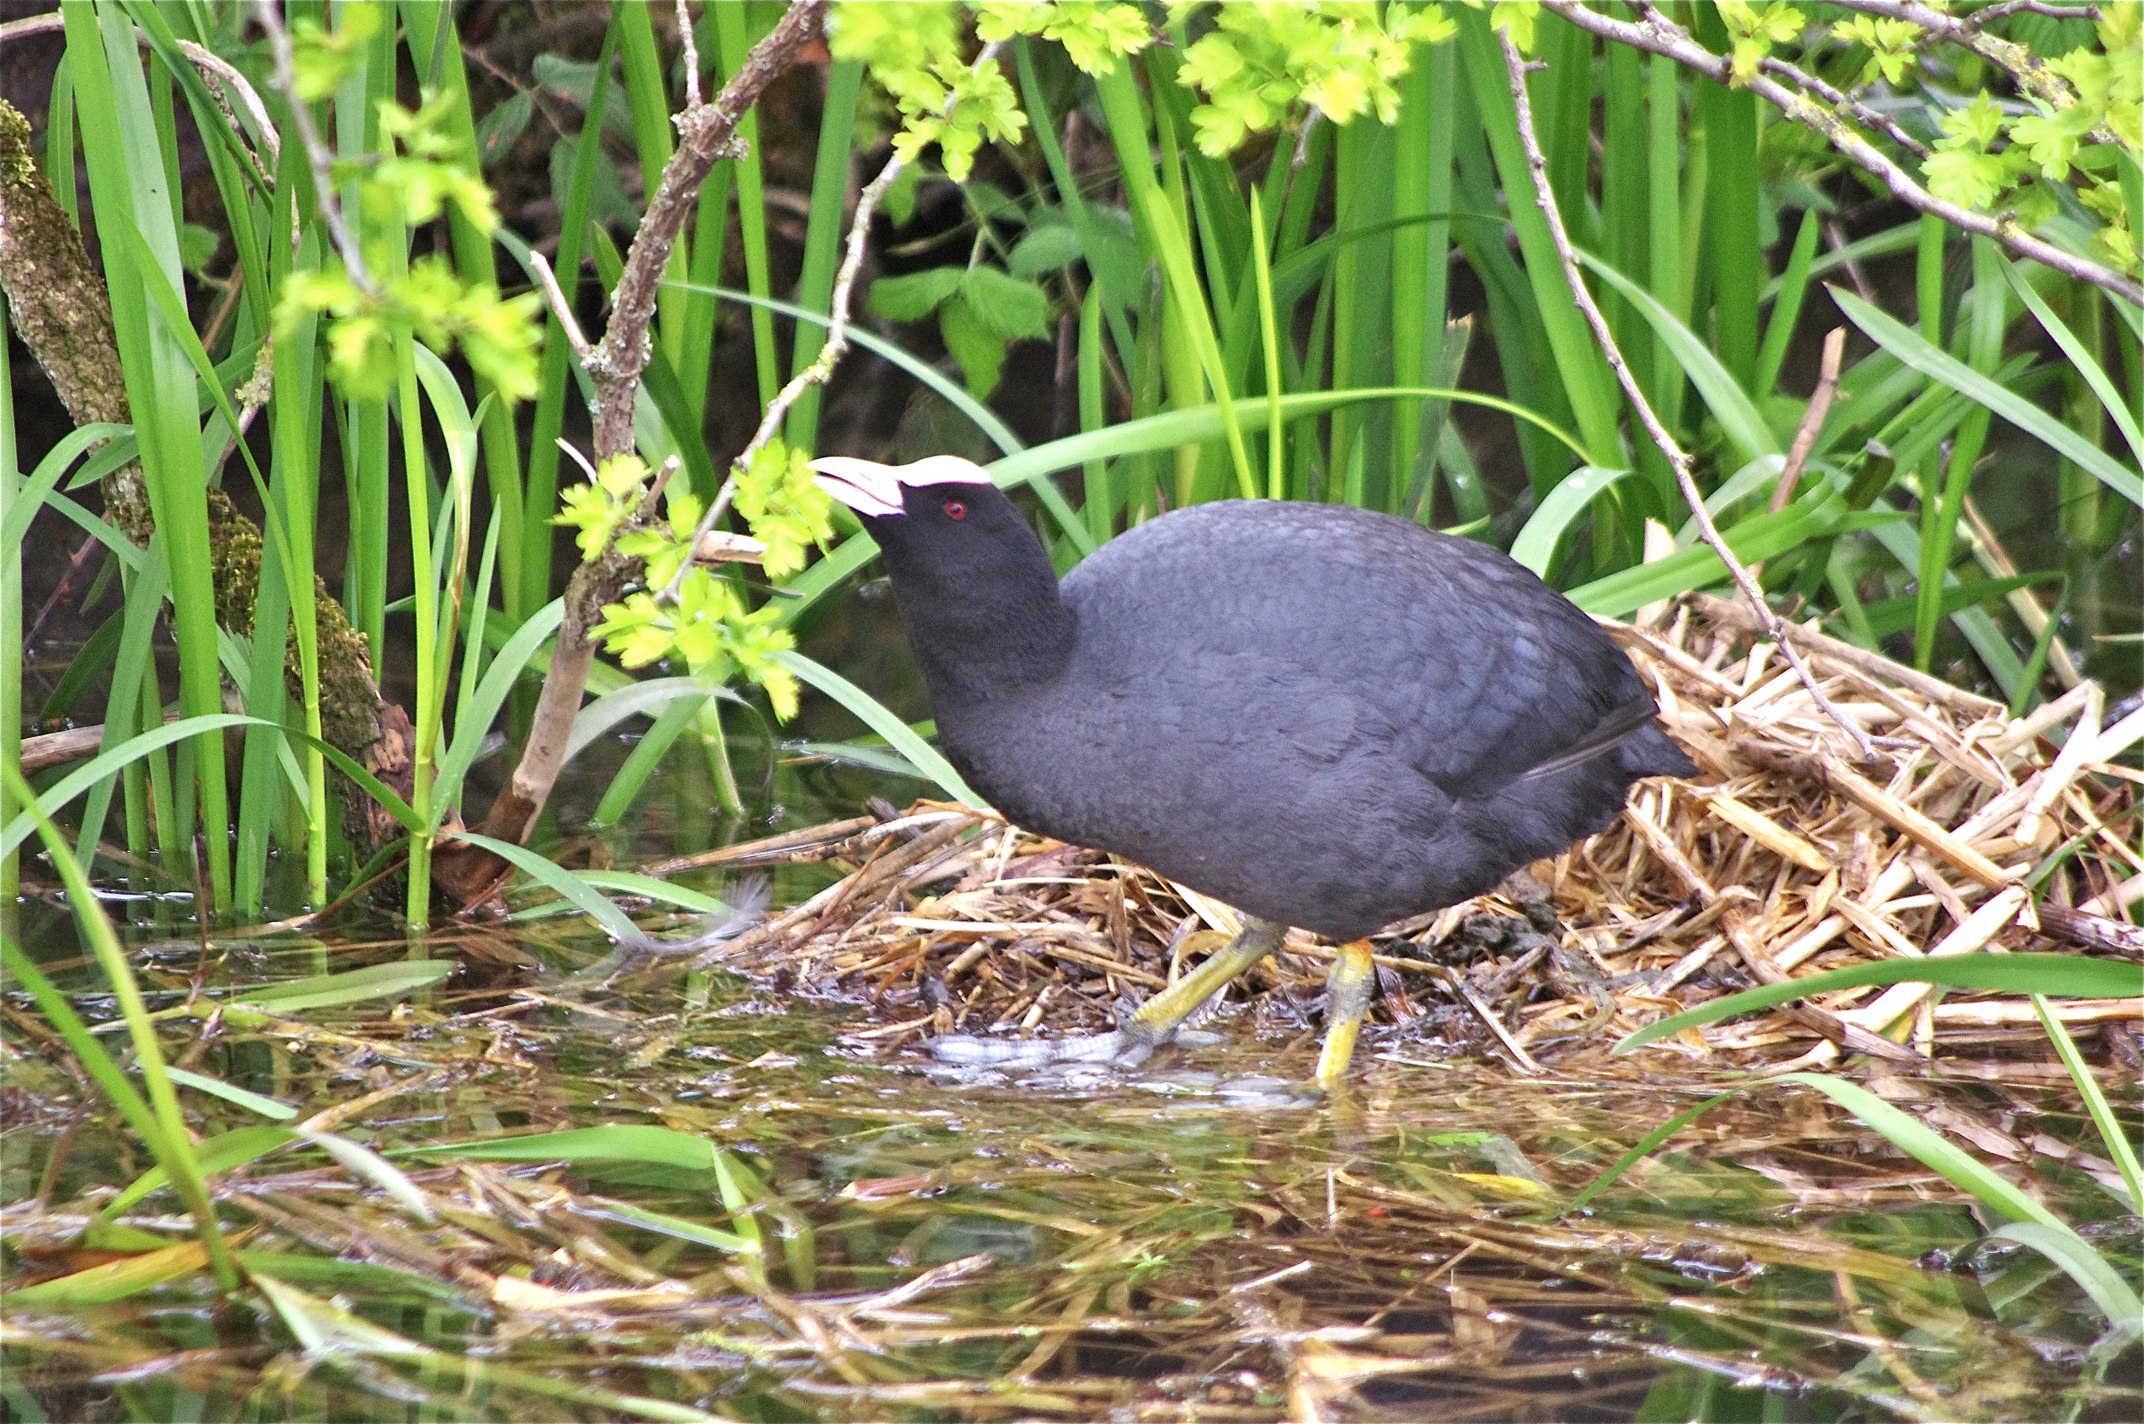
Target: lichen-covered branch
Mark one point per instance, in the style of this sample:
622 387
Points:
2031 73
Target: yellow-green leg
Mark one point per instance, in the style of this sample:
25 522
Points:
1158 1019
1153 1024
1347 999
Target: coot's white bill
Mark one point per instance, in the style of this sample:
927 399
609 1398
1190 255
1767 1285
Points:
868 487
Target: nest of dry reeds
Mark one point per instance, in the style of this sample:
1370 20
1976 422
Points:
1785 855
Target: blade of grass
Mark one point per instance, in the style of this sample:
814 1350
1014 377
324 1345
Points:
1578 362
1939 522
637 1143
1739 419
732 43
1536 545
873 714
2080 359
1793 286
2112 1135
125 162
560 376
823 232
646 757
560 881
1421 256
1645 1147
1939 365
1933 1151
2093 1273
1162 233
636 699
2065 975
154 1112
1269 341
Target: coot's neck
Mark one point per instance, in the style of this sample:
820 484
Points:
982 630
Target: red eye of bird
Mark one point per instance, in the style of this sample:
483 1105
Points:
954 509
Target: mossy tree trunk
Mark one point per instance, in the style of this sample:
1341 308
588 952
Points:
59 305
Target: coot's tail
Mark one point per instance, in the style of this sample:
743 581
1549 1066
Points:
1642 748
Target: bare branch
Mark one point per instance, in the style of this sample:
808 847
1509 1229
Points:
706 135
2038 7
555 297
1840 99
1678 459
1827 386
270 18
691 57
1656 35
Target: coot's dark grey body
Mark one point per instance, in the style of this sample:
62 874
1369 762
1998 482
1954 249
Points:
1325 717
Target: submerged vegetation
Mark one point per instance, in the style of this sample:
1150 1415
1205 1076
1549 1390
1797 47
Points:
354 1069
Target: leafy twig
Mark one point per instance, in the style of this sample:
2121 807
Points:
831 351
1657 35
2027 68
707 134
1678 459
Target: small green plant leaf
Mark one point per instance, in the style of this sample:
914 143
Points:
915 295
1014 308
217 1088
979 350
1044 248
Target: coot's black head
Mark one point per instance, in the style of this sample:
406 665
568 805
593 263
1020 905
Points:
939 521
973 581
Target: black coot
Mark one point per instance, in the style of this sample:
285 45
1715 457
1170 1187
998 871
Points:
1326 717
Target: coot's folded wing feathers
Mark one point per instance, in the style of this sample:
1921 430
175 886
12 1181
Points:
1442 644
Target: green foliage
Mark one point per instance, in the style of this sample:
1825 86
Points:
1095 36
981 310
685 611
786 511
2086 114
914 53
416 182
1891 46
1756 28
320 58
709 628
1262 66
599 509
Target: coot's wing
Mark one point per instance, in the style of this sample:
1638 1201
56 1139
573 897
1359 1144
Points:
1475 670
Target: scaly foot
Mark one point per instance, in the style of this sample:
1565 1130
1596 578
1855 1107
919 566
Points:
1157 1021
